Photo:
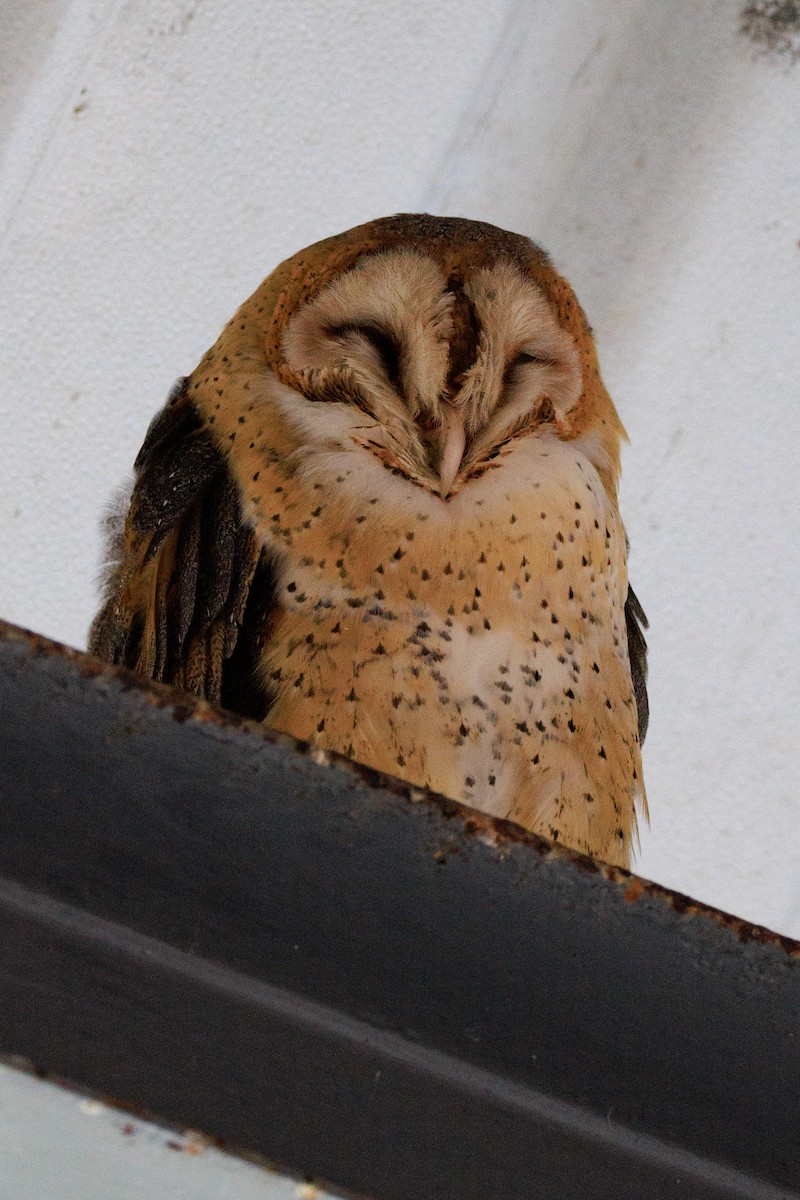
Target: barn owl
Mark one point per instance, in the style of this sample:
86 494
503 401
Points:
381 516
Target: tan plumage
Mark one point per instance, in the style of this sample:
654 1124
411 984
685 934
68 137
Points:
382 515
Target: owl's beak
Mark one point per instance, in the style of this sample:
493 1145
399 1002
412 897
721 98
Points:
455 441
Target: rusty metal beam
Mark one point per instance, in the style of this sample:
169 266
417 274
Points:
201 919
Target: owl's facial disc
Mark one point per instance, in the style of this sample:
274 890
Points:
439 371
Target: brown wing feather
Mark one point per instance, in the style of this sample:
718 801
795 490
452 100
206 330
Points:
189 599
636 622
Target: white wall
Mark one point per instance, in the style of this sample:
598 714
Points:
162 155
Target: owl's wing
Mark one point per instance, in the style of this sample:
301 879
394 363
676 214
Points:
189 597
636 622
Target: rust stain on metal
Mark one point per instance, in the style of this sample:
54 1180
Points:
634 890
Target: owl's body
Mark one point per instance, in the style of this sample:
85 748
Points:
381 515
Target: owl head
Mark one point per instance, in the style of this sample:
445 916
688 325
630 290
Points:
428 343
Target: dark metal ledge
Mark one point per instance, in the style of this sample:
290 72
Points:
384 989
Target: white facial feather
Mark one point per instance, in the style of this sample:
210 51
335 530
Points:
396 305
399 292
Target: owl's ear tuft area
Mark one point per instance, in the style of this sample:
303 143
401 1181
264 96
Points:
181 568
